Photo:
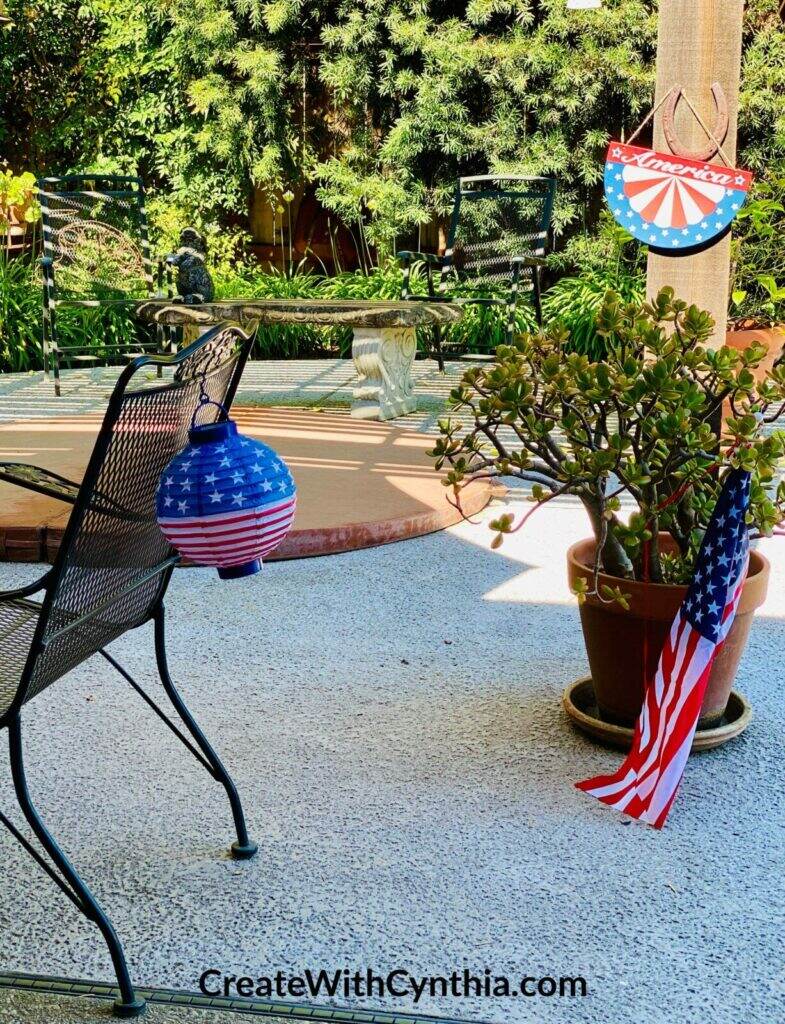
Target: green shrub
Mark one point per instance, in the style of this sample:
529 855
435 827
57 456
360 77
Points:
21 325
758 256
638 423
576 301
593 264
21 340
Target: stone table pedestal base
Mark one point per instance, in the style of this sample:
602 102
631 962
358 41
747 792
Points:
383 358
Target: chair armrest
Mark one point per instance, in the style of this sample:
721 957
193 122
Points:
426 257
55 486
36 479
28 589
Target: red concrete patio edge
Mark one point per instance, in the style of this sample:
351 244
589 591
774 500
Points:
360 484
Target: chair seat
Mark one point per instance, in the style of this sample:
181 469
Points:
467 300
480 300
18 620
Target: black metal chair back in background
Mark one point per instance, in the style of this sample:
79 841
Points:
496 220
500 233
96 251
110 575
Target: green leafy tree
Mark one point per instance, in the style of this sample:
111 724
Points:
761 110
383 102
433 90
49 102
214 97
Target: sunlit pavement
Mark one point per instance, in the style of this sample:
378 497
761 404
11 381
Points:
392 718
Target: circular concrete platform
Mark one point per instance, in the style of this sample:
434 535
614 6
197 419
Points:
359 483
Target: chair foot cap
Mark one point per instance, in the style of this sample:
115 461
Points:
244 851
128 1010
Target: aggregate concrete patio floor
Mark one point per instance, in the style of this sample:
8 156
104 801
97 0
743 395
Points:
392 718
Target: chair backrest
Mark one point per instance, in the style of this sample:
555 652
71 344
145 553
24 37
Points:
114 563
95 233
496 217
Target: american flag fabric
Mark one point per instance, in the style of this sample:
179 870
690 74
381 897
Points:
671 203
226 502
646 783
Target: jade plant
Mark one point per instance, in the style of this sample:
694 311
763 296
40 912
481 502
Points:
643 422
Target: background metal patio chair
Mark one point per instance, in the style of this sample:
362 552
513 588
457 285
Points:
110 575
499 236
96 251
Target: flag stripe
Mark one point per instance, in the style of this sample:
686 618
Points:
254 526
227 517
648 779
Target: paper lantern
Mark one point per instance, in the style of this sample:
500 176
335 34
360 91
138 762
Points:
226 500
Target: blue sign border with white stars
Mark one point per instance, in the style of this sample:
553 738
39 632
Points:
671 241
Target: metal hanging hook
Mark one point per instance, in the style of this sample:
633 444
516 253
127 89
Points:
716 135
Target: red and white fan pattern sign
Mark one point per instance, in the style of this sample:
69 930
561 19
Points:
668 202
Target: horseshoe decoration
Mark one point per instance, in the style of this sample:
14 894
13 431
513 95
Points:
676 202
716 136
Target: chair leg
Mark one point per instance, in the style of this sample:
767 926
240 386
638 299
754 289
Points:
536 296
509 331
243 848
51 353
128 1005
56 368
437 346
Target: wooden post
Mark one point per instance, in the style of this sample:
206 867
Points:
699 43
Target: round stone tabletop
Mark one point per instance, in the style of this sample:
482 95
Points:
327 312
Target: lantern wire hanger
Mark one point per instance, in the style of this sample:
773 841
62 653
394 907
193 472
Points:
205 400
672 97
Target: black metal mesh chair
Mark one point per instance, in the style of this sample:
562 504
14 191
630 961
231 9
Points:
110 575
96 251
499 236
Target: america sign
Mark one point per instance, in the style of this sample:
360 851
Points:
671 203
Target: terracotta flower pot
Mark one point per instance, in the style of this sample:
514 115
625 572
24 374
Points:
624 646
14 233
772 337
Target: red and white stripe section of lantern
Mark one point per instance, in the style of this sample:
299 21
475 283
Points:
230 538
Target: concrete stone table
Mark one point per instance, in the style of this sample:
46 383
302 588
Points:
383 347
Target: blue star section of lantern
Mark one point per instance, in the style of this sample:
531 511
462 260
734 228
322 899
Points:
227 500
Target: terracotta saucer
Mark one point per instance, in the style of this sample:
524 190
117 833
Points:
580 705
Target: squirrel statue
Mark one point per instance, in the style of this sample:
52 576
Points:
194 284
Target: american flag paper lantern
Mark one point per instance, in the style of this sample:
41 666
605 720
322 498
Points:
226 500
670 202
